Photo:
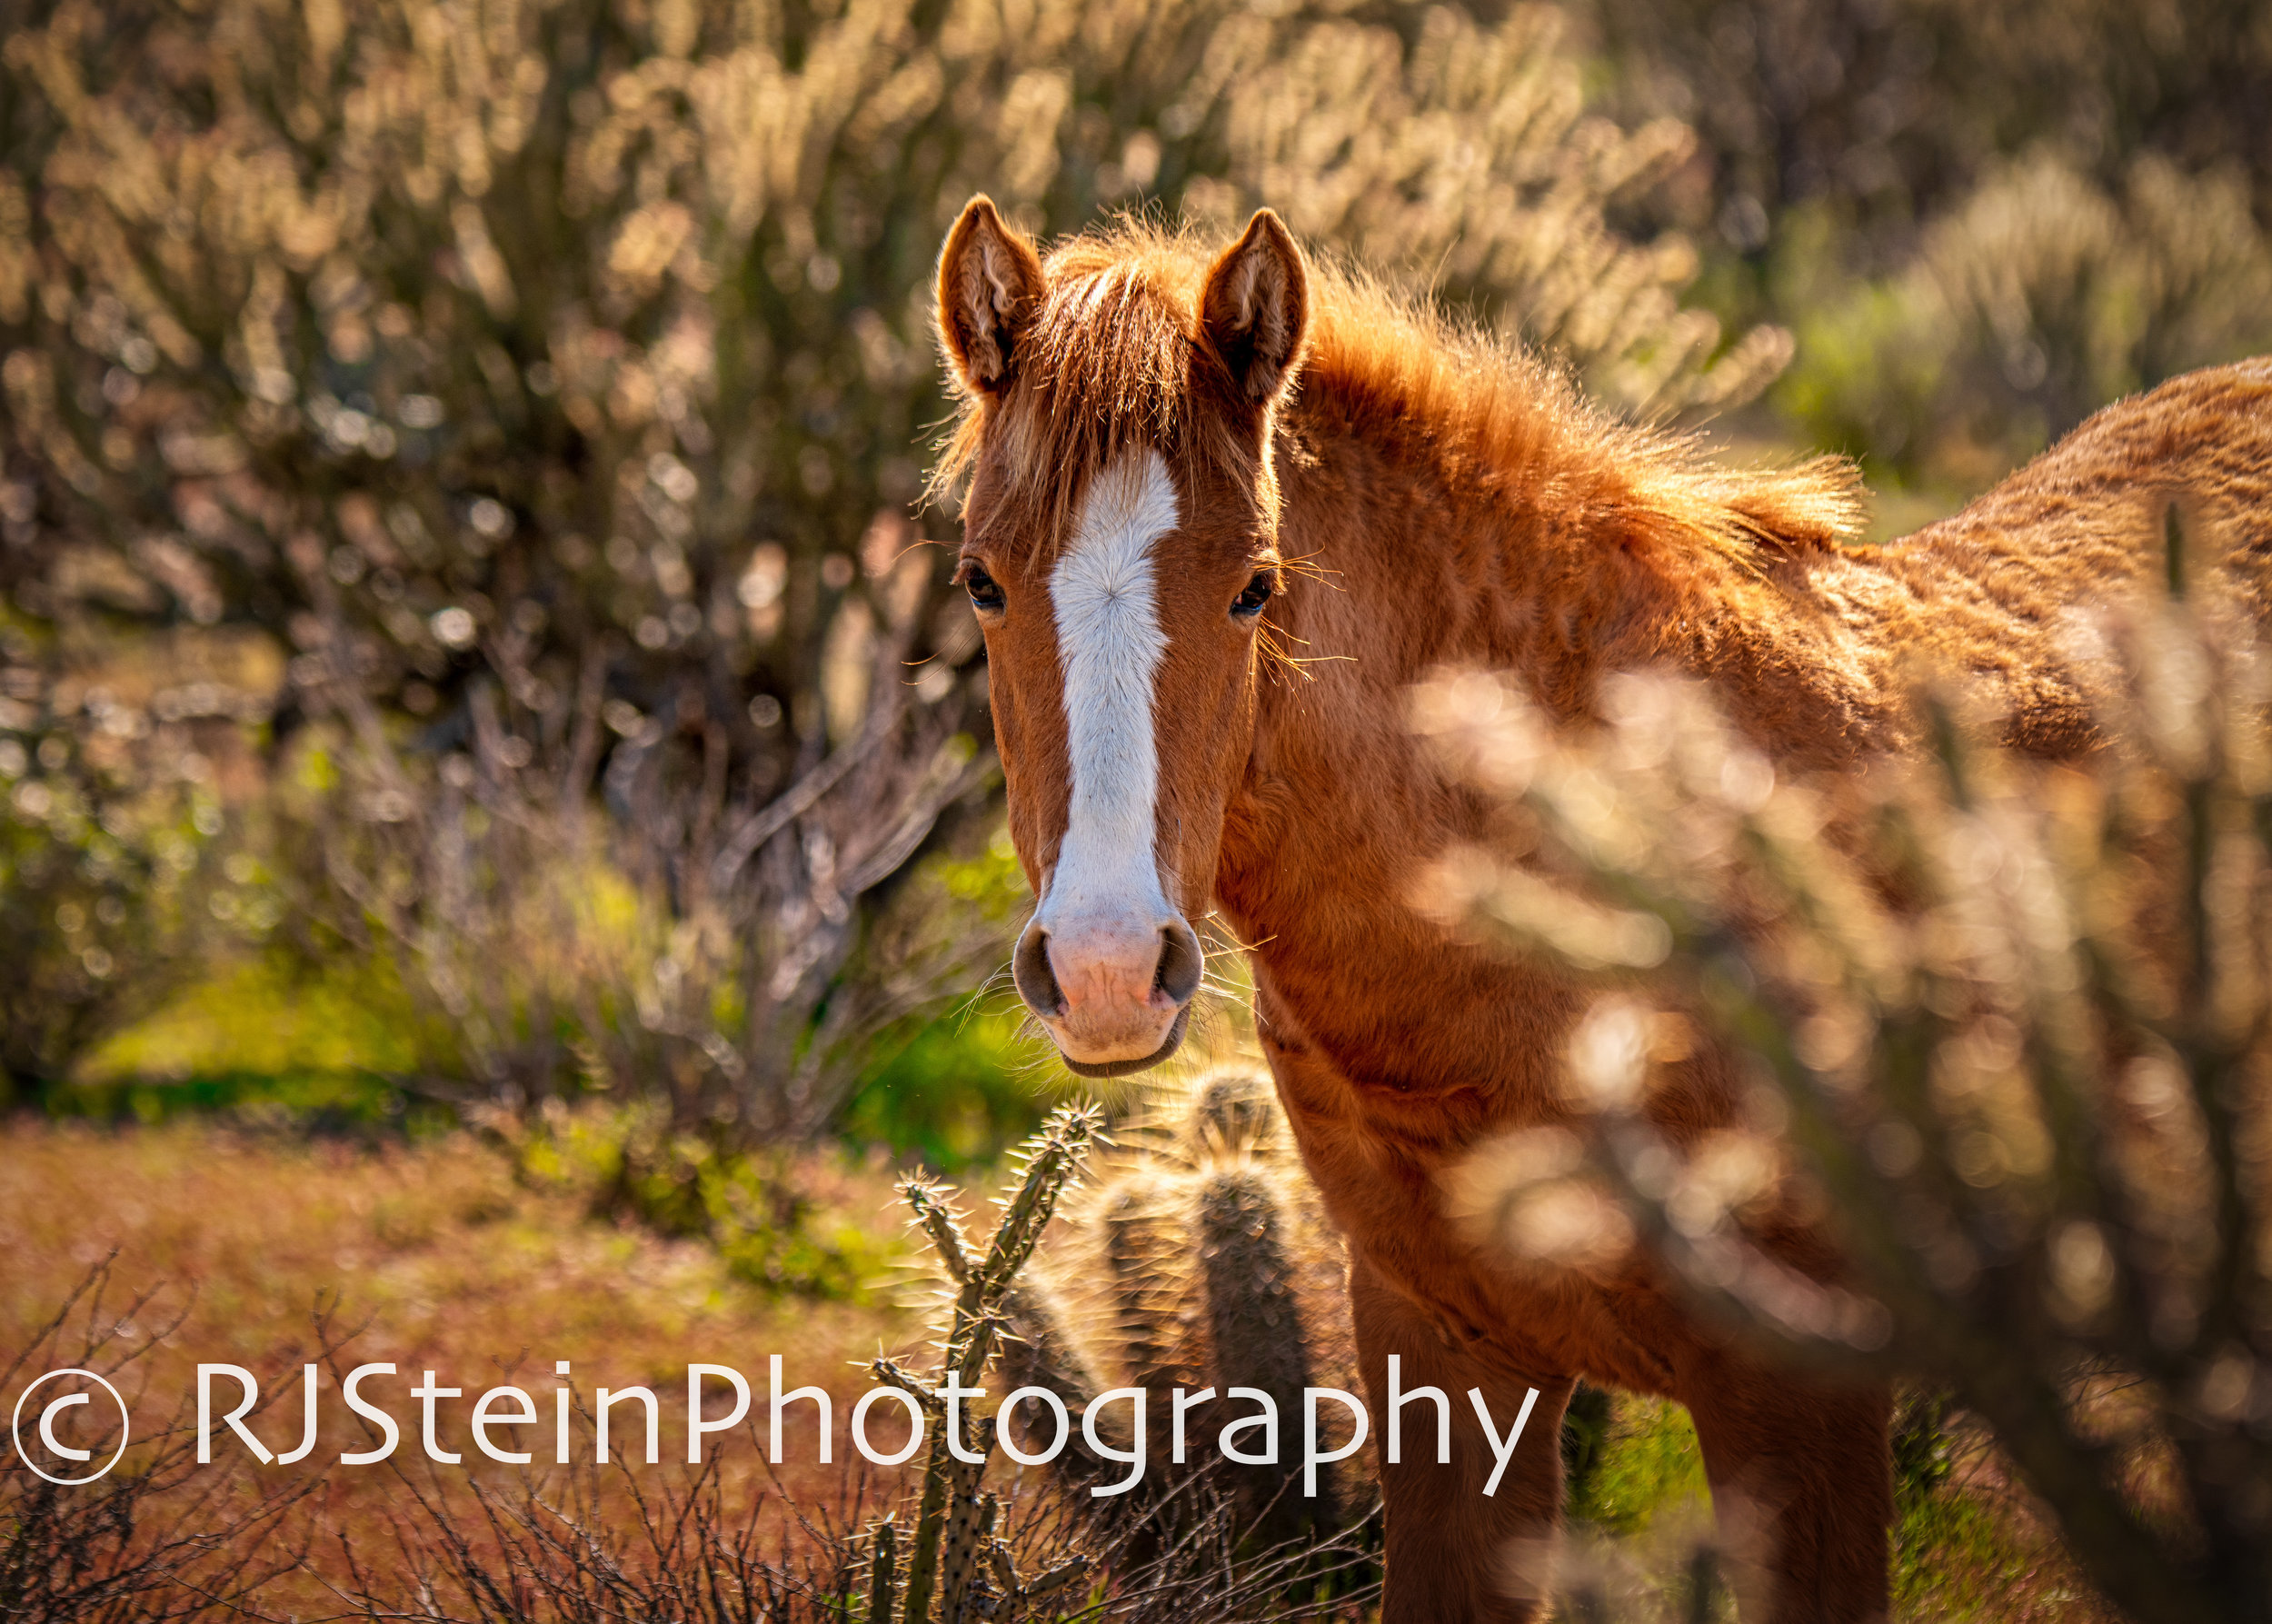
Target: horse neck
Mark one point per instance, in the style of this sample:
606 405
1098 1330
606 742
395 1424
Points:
1555 568
1422 562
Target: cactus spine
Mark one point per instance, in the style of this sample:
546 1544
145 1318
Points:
954 1545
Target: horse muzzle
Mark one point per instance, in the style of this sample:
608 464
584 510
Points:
1114 994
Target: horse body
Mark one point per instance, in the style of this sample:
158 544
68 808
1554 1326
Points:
1458 507
1398 1049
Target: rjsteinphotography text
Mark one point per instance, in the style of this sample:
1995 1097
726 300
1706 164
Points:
628 1422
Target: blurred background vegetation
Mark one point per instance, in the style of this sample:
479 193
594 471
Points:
468 626
471 645
460 551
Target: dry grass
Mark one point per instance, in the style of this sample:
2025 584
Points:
446 1262
433 1257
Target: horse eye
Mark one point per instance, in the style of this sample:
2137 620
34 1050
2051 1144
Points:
985 594
1249 604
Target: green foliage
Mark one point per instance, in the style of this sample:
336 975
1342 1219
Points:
91 906
2043 296
775 1221
108 881
1940 1534
330 1024
1587 1423
1649 1463
1922 1457
951 1087
960 1093
1983 221
273 1013
1965 1545
357 1105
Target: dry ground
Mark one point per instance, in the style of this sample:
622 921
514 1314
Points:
428 1256
431 1256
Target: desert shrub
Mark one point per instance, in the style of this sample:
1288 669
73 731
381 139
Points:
1983 221
779 1224
91 898
142 1543
295 1105
535 956
271 1013
551 380
2007 1024
113 879
2040 298
1891 112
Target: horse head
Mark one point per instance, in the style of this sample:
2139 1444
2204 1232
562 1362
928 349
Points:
1120 551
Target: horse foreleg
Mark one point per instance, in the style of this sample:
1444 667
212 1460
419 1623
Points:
1802 1485
1456 1555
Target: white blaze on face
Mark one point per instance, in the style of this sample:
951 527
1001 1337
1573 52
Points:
1108 645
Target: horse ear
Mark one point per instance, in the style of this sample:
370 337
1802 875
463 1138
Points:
990 286
1256 306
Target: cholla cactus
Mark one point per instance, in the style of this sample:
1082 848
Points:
1201 1259
955 1557
2011 1024
1246 1238
1139 1241
883 1572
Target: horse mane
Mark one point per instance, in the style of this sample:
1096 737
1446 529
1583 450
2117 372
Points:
1106 363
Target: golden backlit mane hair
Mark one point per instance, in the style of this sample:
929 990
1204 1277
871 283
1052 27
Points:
1107 365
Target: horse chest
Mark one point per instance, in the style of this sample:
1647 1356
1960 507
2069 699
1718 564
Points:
1379 1155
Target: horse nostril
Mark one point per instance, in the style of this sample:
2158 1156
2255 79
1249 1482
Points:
1181 962
1035 978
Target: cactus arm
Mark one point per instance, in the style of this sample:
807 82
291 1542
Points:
973 1524
884 1575
941 1469
1057 1154
1072 1569
891 1373
937 1218
954 1512
923 1565
1247 1278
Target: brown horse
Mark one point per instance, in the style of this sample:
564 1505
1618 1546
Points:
1183 469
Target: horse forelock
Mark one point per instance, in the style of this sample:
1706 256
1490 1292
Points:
1111 367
